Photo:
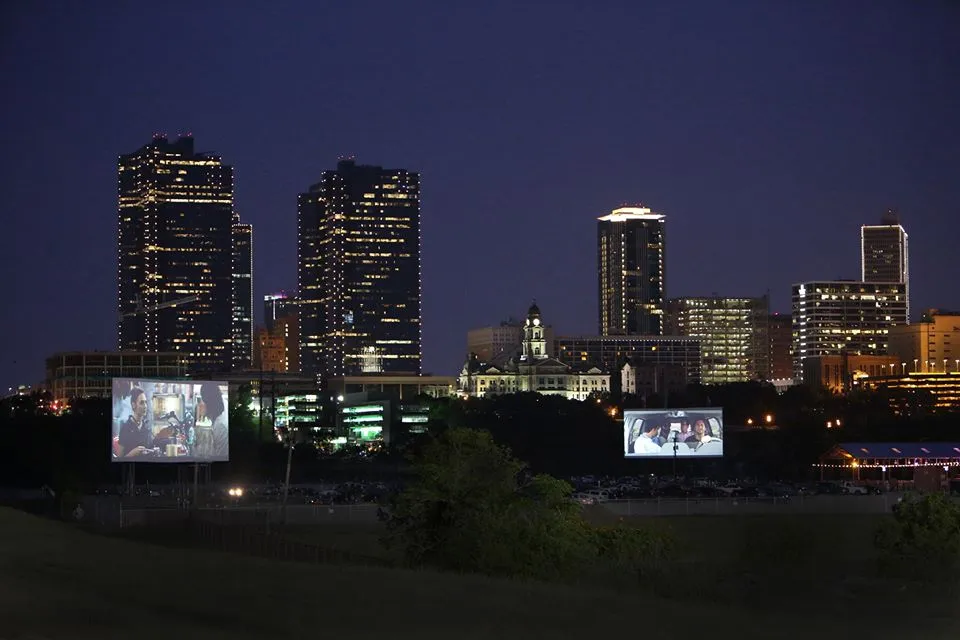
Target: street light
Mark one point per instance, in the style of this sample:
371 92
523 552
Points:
915 361
903 370
769 419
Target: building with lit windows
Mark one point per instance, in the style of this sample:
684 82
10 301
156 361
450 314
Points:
609 353
732 332
90 374
175 253
884 254
644 379
906 393
242 294
630 265
532 370
844 317
358 257
929 346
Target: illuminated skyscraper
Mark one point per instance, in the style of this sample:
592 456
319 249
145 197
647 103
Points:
844 317
884 255
175 253
242 294
630 258
358 261
733 335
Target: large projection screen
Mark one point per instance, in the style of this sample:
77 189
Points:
170 421
673 432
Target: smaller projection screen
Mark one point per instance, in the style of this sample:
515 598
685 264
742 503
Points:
170 421
673 432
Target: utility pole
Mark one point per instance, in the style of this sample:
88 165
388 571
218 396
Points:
286 481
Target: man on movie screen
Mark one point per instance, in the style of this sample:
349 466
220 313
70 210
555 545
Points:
135 437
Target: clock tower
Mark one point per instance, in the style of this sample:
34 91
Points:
534 345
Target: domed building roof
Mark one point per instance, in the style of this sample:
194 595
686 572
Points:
534 311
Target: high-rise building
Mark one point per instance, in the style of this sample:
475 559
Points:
358 273
278 305
844 317
780 337
175 253
242 294
884 255
732 332
630 258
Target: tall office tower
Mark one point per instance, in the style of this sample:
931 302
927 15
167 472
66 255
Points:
630 257
780 337
278 305
844 318
884 255
175 253
358 272
242 294
733 335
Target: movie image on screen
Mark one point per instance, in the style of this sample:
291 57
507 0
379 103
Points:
669 432
170 421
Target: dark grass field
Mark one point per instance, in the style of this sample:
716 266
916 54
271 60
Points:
58 582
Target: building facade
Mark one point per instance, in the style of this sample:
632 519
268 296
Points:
779 339
533 370
491 343
359 272
884 253
832 318
278 305
403 388
609 353
242 294
929 346
733 335
644 379
175 253
90 374
839 373
630 265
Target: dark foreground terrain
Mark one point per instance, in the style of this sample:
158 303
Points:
58 582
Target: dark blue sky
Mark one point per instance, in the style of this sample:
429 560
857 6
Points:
766 131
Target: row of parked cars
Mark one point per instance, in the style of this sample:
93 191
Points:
590 490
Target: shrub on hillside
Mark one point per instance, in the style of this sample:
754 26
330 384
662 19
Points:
473 508
923 536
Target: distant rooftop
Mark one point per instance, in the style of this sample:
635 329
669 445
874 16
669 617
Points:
624 214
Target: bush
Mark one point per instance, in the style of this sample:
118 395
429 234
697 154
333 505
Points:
473 508
923 536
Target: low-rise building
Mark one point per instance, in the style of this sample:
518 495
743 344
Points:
532 370
90 374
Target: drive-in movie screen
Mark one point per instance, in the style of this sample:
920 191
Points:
170 421
673 432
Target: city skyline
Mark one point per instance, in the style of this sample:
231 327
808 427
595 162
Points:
765 164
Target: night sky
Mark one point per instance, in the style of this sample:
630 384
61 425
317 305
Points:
766 131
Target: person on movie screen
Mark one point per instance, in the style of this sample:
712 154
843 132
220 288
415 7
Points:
702 434
212 438
135 437
647 442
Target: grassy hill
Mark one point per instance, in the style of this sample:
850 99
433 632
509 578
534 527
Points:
57 582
